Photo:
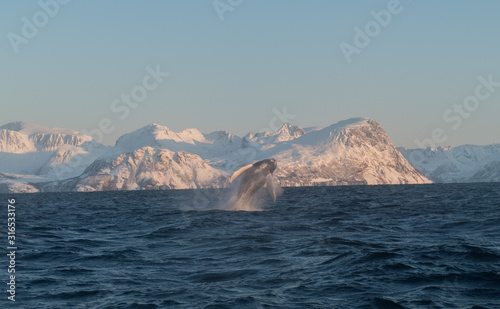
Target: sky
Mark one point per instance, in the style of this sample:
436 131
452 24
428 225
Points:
427 71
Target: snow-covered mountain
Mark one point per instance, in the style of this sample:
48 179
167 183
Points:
355 151
286 133
53 153
467 163
189 140
15 142
20 137
146 168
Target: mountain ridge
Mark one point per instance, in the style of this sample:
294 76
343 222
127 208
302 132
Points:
453 164
353 151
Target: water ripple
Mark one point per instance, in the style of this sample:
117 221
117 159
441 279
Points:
428 246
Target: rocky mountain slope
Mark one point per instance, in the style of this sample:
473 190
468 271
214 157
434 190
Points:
467 163
146 168
355 151
20 137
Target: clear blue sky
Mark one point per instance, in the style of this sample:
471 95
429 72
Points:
230 74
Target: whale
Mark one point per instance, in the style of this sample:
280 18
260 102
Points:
253 177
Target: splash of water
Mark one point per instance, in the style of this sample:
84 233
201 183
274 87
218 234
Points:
254 203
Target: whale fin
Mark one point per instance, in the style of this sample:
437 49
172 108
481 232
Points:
239 172
271 186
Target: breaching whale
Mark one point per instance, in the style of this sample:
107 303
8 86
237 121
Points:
253 177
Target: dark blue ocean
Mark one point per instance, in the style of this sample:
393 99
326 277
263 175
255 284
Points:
413 246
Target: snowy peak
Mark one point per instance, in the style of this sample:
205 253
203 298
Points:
352 123
15 142
189 140
52 141
191 136
287 132
13 126
466 163
159 132
31 129
355 151
223 138
357 132
158 136
20 137
364 129
149 168
348 132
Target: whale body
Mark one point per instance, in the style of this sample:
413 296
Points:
253 177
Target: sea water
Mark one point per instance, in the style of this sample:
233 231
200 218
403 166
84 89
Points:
412 246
